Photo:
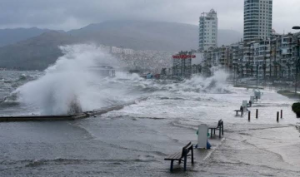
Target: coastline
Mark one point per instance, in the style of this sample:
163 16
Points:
134 140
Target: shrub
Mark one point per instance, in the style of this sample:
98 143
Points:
296 108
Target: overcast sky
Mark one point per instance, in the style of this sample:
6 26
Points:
71 14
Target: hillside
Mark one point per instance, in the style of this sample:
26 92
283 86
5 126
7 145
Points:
35 53
148 35
38 52
138 35
11 36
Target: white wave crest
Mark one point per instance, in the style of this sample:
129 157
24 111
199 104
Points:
70 85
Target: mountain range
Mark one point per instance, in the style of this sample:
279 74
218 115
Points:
38 48
11 36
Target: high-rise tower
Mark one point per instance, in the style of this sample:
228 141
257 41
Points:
257 19
208 30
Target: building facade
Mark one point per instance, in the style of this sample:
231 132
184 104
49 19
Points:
272 59
258 15
208 30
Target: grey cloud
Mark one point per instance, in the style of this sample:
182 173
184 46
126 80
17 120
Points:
68 14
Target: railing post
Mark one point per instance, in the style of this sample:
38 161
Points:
249 116
256 113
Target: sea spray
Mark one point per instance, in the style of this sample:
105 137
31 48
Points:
69 86
213 84
216 83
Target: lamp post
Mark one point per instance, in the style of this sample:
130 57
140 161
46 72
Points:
234 73
257 75
297 61
275 57
270 52
265 62
249 54
291 55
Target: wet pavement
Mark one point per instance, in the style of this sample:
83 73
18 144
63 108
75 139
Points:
136 147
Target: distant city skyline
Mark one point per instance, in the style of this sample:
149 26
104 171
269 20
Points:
72 14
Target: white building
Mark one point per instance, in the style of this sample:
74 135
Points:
208 30
257 19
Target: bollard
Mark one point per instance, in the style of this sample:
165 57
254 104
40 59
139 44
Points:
256 113
277 116
249 116
281 114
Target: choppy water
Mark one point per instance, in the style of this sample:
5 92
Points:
9 82
133 141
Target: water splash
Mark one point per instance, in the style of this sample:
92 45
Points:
69 86
217 83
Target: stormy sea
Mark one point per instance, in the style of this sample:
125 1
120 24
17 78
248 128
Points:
135 140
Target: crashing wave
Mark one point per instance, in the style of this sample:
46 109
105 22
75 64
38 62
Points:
74 106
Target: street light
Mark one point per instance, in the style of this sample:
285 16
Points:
298 61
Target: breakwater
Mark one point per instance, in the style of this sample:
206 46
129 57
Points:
74 117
